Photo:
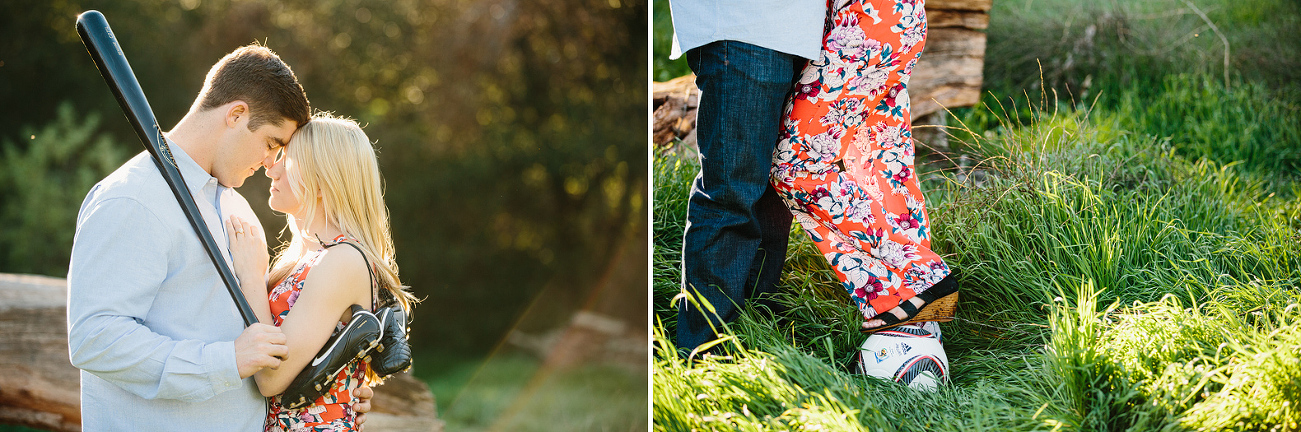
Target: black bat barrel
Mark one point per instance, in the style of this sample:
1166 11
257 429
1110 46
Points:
112 64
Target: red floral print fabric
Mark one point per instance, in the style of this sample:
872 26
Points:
844 164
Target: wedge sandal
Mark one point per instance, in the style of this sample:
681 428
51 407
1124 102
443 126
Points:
941 306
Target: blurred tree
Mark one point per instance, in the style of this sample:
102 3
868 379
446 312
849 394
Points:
43 184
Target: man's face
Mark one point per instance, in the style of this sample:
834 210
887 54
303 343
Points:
244 151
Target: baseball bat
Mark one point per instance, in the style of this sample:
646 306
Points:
112 64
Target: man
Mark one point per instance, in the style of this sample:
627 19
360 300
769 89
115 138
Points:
160 344
746 55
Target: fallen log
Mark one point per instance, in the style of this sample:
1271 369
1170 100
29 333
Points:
976 20
675 103
949 73
969 5
40 388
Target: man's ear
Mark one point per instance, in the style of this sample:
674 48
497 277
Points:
237 112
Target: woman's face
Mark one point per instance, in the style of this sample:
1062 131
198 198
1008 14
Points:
282 194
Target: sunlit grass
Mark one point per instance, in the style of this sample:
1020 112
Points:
514 392
1113 279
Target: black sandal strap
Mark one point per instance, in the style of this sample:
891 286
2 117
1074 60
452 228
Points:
944 287
909 309
888 318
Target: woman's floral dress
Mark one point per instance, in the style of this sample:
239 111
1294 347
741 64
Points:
333 411
844 165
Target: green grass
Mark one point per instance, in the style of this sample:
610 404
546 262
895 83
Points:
1084 48
1194 115
1118 273
662 44
1204 119
515 393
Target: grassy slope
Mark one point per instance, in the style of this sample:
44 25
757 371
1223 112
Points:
1109 284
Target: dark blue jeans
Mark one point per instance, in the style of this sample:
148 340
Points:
737 226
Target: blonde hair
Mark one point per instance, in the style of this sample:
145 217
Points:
335 165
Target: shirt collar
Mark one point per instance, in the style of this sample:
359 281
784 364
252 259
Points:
196 179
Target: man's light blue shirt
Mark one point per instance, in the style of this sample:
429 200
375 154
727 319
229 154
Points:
789 26
150 324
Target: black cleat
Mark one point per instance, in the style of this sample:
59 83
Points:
354 342
393 355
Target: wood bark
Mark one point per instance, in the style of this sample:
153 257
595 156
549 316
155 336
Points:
40 388
675 104
977 20
969 5
949 73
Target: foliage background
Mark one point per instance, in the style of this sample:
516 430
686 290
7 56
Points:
510 137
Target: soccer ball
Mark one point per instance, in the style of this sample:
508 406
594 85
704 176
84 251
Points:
909 354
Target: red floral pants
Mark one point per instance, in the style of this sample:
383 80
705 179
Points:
844 165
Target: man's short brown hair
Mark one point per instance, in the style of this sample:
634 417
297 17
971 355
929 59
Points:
258 77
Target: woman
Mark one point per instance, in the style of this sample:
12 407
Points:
844 165
327 182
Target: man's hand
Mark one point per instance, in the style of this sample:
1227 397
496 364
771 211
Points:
361 403
259 346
